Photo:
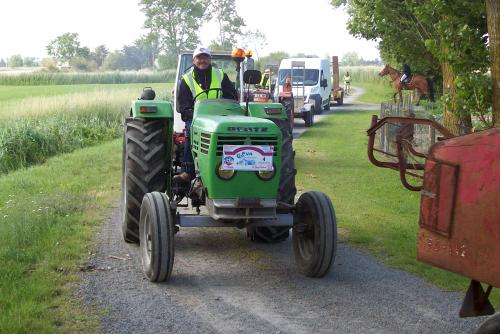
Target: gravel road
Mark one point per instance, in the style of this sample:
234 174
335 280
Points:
224 283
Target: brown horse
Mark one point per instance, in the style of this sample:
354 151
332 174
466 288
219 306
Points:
418 83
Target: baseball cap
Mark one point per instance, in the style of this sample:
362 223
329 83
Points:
201 50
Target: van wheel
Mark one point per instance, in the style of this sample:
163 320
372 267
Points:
309 118
327 107
318 107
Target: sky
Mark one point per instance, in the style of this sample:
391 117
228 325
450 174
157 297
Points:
294 26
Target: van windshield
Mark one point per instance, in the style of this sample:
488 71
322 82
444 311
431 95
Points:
310 76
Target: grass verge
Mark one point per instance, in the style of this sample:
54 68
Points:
374 211
375 92
48 216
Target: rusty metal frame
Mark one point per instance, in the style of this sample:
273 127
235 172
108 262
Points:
402 143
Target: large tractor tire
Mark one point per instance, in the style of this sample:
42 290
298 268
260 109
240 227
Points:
314 234
156 230
287 189
144 169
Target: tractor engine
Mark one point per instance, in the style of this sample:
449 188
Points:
231 152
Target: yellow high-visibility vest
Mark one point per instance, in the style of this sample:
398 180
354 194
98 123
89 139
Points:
217 76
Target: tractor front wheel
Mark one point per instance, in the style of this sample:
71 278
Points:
314 234
156 231
287 189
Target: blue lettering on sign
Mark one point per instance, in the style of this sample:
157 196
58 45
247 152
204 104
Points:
244 154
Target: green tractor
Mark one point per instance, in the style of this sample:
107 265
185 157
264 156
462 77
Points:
245 177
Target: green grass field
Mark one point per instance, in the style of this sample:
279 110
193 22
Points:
374 92
21 92
48 220
39 123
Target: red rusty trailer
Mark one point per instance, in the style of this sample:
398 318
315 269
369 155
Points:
459 227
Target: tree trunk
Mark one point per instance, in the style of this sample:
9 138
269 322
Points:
450 119
493 17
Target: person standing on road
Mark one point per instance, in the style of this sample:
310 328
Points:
202 76
347 83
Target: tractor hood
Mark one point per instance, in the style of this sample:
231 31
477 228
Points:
235 124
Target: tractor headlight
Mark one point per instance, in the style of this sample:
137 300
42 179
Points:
266 175
224 174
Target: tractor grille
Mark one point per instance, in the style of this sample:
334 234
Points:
205 142
246 140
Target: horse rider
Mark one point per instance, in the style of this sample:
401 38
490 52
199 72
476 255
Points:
201 76
406 77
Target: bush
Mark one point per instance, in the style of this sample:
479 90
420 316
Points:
49 64
82 64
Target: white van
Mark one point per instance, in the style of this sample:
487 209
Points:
313 81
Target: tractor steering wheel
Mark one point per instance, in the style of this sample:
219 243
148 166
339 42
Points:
206 91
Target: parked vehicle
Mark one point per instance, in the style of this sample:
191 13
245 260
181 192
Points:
308 82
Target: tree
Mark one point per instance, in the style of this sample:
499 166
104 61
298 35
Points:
228 21
443 37
100 53
83 52
49 64
134 57
148 45
254 40
15 61
114 61
174 23
79 63
274 58
3 63
29 62
493 14
64 47
351 58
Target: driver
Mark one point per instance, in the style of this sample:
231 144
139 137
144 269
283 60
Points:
201 76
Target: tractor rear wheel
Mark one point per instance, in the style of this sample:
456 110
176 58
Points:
287 189
314 234
144 169
156 230
340 101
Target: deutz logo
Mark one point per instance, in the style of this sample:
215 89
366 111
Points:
246 129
